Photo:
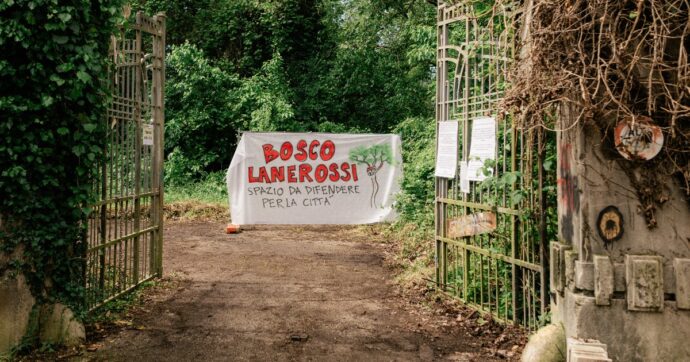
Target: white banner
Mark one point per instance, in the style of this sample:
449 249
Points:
314 178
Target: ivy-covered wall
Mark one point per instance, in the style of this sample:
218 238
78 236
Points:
53 95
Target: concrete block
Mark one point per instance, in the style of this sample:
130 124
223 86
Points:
570 257
586 351
619 271
645 283
653 336
669 279
555 275
557 278
619 277
584 275
603 280
16 303
682 273
59 326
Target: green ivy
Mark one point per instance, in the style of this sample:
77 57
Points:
52 102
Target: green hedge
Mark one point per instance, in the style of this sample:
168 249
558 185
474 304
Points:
52 102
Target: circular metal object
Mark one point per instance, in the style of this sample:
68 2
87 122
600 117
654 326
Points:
610 224
638 138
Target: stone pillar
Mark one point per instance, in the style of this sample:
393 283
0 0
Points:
20 316
631 294
16 304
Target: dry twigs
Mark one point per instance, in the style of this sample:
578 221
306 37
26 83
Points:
612 59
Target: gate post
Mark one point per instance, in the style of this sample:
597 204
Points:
158 138
613 279
441 184
616 286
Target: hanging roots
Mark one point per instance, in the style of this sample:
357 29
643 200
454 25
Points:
612 59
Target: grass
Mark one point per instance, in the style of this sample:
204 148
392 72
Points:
210 190
203 200
414 251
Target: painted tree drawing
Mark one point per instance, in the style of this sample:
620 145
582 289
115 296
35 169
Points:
374 157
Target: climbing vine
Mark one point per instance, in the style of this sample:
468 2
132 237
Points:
52 102
613 60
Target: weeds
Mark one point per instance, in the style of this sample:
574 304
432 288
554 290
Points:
211 189
117 308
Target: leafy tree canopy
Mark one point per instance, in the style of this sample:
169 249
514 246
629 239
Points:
302 65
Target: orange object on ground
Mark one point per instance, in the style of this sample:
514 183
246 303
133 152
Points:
232 229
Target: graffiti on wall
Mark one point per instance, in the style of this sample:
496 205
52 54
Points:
568 192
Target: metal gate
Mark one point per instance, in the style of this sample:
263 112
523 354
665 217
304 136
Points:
501 270
125 231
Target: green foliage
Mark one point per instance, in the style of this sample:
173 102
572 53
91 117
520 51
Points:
243 36
414 229
415 202
266 99
207 107
201 119
312 65
382 70
210 189
318 65
52 102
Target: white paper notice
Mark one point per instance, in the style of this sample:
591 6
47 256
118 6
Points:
447 150
482 148
483 139
474 170
147 134
464 181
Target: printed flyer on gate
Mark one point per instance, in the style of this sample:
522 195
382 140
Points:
314 178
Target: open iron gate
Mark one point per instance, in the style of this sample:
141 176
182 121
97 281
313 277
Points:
502 271
125 231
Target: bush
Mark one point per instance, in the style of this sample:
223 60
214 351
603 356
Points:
210 189
201 118
207 107
415 202
415 227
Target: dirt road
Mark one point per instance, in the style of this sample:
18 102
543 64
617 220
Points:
287 293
